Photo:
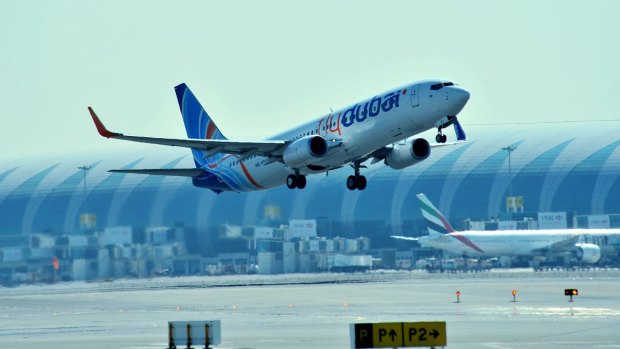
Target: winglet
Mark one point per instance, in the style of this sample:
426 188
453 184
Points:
100 127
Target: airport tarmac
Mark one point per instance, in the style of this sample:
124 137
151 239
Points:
292 311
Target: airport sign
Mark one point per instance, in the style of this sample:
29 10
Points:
398 335
199 333
571 292
552 220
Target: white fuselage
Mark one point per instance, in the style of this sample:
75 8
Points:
353 137
508 242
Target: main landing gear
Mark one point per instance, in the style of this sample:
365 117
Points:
296 181
356 181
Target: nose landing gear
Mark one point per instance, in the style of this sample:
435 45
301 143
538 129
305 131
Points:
440 138
441 124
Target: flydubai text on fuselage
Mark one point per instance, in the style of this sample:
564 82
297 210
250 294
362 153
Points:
378 128
507 242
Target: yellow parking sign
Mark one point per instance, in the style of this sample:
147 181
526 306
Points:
387 335
398 334
425 334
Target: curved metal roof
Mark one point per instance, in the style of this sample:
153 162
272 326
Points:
572 167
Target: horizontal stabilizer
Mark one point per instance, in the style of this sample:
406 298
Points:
180 172
404 238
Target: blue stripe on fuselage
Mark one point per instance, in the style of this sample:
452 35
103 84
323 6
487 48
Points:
211 181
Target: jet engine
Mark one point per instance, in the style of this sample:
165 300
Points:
588 253
409 153
304 151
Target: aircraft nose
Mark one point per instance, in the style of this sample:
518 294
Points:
457 96
460 95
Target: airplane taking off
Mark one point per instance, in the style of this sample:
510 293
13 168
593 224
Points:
506 242
378 128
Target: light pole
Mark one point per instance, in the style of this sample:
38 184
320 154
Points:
85 169
510 149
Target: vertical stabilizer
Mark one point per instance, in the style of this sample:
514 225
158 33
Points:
437 223
198 123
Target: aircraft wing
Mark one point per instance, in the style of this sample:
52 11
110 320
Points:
264 148
438 145
409 238
562 245
565 244
381 153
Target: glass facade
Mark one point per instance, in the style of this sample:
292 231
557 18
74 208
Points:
572 167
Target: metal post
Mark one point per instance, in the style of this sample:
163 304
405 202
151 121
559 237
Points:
510 149
85 169
171 344
189 336
207 343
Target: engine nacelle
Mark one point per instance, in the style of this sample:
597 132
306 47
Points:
304 151
588 253
407 154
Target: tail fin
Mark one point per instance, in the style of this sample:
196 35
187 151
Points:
437 223
198 123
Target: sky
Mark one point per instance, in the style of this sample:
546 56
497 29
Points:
260 67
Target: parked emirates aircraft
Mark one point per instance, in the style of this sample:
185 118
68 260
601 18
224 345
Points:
506 242
378 128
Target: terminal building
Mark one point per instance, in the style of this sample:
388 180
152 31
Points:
570 168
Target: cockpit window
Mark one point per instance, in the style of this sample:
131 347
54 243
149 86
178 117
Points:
436 87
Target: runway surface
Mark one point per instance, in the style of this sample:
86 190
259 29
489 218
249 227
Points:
314 311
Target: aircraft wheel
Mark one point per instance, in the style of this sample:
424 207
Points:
361 183
300 181
290 182
444 138
351 183
438 138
